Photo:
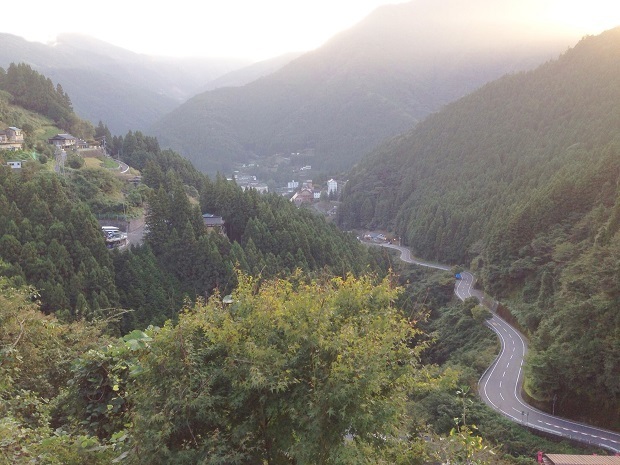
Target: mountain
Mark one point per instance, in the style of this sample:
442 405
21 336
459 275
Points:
125 90
247 74
520 181
368 83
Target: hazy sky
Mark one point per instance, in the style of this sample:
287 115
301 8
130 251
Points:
258 29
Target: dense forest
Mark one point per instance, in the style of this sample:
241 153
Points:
85 330
284 340
33 91
51 239
519 180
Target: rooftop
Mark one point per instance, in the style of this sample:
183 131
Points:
562 459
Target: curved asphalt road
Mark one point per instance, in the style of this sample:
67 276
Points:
500 385
405 256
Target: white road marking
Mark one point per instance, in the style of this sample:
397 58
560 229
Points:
497 324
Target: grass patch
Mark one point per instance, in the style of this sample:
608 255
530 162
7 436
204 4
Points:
108 163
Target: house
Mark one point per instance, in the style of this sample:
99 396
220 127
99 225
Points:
213 222
564 459
244 178
303 196
14 164
332 187
63 140
11 138
375 237
81 144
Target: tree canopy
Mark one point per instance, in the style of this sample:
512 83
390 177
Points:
291 371
519 180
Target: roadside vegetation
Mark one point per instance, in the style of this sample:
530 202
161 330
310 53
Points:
279 340
518 181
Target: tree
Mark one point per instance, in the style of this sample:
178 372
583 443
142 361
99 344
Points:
36 356
292 371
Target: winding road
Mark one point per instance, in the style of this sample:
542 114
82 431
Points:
500 385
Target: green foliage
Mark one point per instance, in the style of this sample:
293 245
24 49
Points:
480 313
461 338
74 160
99 188
583 349
520 178
96 400
35 365
472 164
35 92
282 375
57 247
265 235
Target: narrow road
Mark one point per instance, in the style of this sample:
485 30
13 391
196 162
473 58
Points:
405 256
500 385
122 166
135 231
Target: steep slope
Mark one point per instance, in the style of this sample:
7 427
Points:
373 81
520 179
126 90
247 74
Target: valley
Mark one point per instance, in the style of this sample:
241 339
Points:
501 384
283 296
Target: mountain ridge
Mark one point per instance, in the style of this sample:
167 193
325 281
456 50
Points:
340 100
108 83
519 180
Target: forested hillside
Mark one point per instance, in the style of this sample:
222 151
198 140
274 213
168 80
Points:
336 103
50 238
282 341
107 83
309 332
520 181
30 90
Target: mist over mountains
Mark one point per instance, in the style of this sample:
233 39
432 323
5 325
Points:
368 83
475 142
519 182
333 105
125 90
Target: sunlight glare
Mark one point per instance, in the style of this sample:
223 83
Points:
589 17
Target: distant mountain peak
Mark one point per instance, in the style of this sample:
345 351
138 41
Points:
366 84
125 90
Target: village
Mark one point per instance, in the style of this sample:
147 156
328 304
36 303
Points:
301 191
292 176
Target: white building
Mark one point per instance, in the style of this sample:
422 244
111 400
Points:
332 186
